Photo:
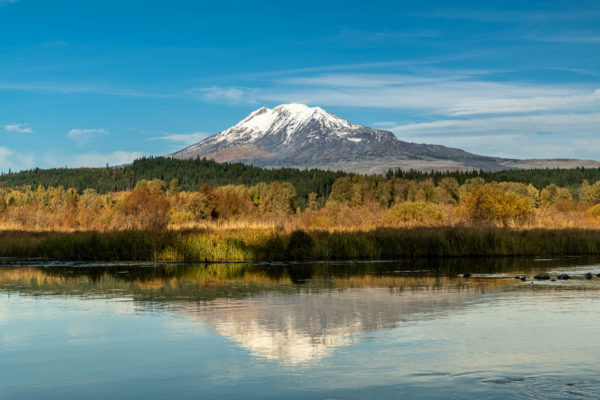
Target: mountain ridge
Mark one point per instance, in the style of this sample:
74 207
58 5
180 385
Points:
298 136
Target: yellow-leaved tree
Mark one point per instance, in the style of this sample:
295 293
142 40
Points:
490 204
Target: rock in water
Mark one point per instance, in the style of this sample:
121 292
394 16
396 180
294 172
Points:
541 277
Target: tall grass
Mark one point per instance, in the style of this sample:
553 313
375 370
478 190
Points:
254 245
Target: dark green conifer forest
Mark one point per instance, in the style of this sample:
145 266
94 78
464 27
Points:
194 174
191 174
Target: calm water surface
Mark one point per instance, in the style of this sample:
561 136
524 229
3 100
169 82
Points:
406 329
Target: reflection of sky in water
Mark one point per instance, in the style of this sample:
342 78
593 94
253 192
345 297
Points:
304 328
249 332
354 343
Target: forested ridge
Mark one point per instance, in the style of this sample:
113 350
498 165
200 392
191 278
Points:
540 178
194 174
191 174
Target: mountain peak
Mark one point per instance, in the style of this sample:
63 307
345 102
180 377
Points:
297 135
284 122
294 108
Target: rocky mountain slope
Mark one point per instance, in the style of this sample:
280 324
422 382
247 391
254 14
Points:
295 135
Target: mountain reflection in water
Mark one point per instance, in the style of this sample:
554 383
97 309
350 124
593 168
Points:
414 320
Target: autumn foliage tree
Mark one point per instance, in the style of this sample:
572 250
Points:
490 204
145 208
355 202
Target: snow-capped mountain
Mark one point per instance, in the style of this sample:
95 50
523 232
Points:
289 128
295 135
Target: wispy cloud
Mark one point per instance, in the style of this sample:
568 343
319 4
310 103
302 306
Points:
520 136
183 138
15 161
71 88
101 159
520 145
93 159
352 37
365 80
562 35
19 128
451 96
82 136
216 94
515 16
415 62
586 124
581 38
4 2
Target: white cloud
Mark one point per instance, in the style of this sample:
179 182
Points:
82 136
183 138
450 96
93 159
68 88
361 80
517 145
216 94
581 39
586 124
18 128
512 16
100 159
519 136
3 2
73 133
16 162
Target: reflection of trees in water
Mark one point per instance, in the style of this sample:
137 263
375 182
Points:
204 282
291 313
300 273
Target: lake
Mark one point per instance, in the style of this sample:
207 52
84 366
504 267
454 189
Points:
336 330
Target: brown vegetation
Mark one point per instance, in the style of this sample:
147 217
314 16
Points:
355 203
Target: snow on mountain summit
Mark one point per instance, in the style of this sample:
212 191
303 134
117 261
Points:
284 120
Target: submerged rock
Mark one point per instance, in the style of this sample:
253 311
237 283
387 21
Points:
466 275
541 277
563 277
517 277
587 275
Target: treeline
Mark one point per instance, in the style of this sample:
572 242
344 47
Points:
191 175
569 178
195 174
353 202
151 205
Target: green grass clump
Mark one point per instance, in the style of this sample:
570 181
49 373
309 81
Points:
254 245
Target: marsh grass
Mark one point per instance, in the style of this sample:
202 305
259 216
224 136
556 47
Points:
255 245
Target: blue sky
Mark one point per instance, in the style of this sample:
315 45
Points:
86 83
